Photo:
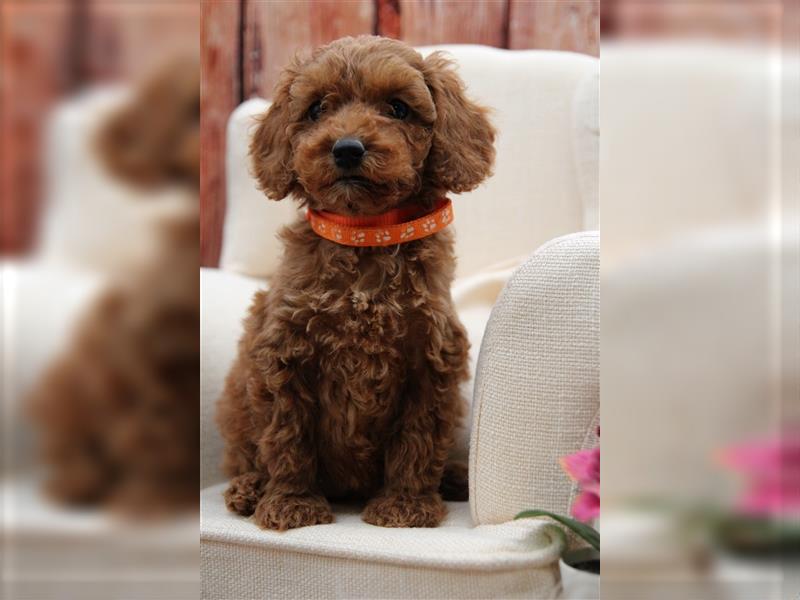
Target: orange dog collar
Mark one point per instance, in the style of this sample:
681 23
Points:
390 228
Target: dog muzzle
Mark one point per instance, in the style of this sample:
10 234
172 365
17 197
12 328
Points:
397 226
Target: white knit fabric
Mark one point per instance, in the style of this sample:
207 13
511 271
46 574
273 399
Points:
351 559
545 173
537 390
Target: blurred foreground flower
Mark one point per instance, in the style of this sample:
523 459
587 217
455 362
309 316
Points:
771 470
584 468
765 518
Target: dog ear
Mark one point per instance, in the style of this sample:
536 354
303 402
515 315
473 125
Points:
462 151
270 146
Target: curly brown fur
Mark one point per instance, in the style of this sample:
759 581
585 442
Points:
117 412
347 379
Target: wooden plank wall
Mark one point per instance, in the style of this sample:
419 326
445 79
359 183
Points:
34 38
558 25
220 93
271 31
275 31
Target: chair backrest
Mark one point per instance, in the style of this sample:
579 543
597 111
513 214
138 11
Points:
545 183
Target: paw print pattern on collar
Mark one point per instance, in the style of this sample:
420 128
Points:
381 230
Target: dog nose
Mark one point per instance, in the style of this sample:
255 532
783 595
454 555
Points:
348 152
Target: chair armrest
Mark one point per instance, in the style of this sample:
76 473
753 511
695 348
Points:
537 388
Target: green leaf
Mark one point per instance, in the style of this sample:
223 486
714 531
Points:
584 531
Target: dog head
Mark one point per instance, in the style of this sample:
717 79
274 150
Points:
364 124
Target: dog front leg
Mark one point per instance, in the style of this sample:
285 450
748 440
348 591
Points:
414 464
416 454
286 450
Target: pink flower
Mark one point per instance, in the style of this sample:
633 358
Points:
771 471
584 467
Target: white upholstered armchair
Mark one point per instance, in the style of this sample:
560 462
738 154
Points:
535 365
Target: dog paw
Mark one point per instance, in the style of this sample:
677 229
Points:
282 512
405 510
243 493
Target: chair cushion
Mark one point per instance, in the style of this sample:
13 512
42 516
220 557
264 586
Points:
352 559
537 388
546 159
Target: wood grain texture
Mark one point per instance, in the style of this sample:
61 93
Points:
127 39
555 25
388 18
220 93
276 29
37 68
738 22
426 22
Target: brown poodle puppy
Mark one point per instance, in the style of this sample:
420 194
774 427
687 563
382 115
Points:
347 379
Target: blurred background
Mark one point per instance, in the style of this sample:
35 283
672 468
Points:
99 168
53 50
700 122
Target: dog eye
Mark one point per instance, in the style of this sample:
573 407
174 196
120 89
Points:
314 111
399 108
